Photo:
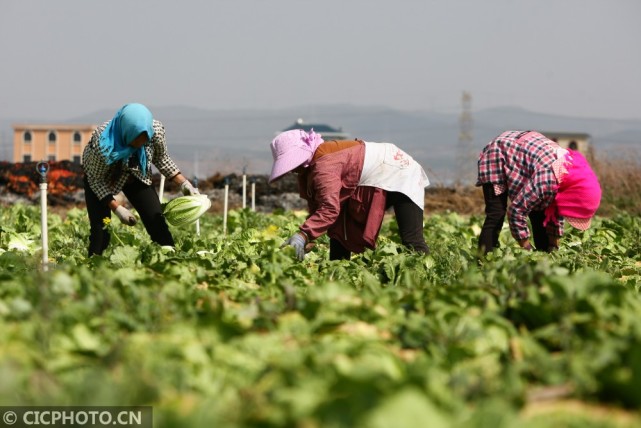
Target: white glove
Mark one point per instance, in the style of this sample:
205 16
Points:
297 241
188 189
125 215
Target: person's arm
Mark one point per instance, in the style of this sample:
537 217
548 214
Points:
165 164
517 213
535 193
178 178
327 186
160 156
326 194
185 185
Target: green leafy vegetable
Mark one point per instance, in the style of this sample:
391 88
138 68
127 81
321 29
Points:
186 209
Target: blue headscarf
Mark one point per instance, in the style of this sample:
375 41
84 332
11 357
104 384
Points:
130 121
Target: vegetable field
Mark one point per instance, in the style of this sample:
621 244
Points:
229 330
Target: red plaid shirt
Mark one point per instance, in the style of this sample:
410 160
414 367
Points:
521 162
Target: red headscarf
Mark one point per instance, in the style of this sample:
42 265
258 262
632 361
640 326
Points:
578 195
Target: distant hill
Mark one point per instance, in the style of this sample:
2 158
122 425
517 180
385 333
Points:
205 142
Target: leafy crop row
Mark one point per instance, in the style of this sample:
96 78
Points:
230 330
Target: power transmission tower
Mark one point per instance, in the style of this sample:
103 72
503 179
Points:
466 158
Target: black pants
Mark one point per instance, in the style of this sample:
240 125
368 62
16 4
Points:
495 210
143 198
410 227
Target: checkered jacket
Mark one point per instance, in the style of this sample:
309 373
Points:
108 180
523 164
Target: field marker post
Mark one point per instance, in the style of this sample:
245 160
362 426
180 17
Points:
225 201
244 188
253 183
198 220
43 168
162 187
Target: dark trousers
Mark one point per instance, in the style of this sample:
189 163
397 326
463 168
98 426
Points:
410 227
143 198
495 210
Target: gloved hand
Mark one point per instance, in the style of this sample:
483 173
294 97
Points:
298 241
125 215
188 189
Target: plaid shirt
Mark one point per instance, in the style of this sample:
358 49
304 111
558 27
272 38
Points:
108 180
522 162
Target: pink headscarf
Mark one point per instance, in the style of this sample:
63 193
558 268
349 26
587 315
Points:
291 149
578 195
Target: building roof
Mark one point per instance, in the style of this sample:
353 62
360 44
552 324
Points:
576 135
51 126
325 130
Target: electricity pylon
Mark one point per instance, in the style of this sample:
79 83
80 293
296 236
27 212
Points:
466 157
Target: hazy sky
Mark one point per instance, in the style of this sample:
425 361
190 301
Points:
65 58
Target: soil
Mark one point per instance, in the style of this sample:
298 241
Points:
19 183
463 200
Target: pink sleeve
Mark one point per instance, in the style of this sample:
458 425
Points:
327 186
